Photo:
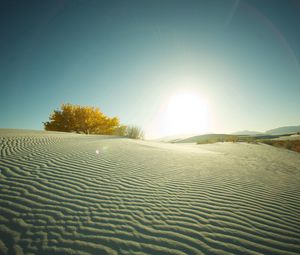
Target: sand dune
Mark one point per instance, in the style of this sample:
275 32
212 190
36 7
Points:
58 196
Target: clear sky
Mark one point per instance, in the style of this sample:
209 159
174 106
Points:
129 57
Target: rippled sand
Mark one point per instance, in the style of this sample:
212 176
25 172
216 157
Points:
77 194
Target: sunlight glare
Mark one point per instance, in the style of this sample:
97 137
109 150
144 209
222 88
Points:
185 113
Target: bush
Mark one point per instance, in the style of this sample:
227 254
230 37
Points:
81 119
134 132
293 145
218 138
121 130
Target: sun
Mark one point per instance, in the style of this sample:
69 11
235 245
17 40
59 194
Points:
185 113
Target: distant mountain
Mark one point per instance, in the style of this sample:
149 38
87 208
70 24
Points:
284 130
247 132
272 133
173 138
199 138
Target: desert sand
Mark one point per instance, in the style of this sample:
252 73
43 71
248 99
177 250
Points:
78 194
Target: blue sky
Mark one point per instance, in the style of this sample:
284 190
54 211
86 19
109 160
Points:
127 57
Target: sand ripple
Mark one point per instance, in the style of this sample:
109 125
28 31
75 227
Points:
58 196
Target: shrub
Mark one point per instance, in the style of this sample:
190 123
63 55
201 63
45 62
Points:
134 132
218 138
293 145
81 119
121 130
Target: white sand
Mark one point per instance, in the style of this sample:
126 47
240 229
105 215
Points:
58 196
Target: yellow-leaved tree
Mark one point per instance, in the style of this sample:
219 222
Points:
81 119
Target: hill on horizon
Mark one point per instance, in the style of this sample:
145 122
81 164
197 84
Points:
265 135
283 130
247 132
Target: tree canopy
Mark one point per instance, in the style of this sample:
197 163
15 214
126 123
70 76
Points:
81 119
